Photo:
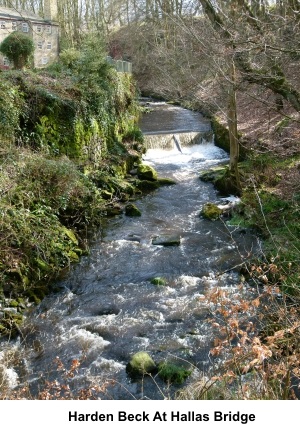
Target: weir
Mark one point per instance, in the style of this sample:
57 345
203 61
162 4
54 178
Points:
167 141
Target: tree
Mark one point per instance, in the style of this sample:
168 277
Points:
18 48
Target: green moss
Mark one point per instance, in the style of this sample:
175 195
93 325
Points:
66 127
211 211
172 373
146 172
221 134
146 186
132 210
140 364
14 303
158 281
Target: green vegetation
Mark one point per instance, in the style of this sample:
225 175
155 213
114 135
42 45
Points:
158 281
172 373
17 47
211 211
141 364
68 139
273 211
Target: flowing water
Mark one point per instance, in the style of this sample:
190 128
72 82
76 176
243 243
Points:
107 309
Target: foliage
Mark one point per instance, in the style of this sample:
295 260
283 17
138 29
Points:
10 109
69 126
173 373
59 388
69 57
17 47
82 116
41 200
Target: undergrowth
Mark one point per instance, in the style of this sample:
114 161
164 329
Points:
44 204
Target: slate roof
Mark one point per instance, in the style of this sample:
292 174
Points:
9 13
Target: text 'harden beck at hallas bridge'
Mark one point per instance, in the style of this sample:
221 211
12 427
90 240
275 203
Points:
164 416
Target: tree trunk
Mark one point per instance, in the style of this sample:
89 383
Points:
233 129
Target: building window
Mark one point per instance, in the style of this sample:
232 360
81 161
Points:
2 24
25 27
40 45
38 28
14 26
5 61
49 45
44 60
48 29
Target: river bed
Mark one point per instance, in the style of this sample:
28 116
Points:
107 309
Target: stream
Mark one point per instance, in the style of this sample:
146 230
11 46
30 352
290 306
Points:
107 309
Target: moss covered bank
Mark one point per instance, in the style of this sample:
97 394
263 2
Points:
68 142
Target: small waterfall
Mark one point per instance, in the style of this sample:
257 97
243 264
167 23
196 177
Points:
166 140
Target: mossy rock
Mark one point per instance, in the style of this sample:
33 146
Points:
223 180
211 211
145 185
140 364
158 281
146 172
213 174
226 184
132 210
172 373
166 181
222 138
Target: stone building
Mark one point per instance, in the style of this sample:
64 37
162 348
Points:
44 32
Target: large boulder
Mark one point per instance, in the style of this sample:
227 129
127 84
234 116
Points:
132 210
166 181
146 172
140 364
211 211
146 185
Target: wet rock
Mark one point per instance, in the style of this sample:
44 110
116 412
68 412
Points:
146 185
146 172
108 311
132 210
166 181
133 238
212 174
211 211
167 240
113 209
140 364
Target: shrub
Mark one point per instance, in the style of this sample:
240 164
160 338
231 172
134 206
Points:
18 48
